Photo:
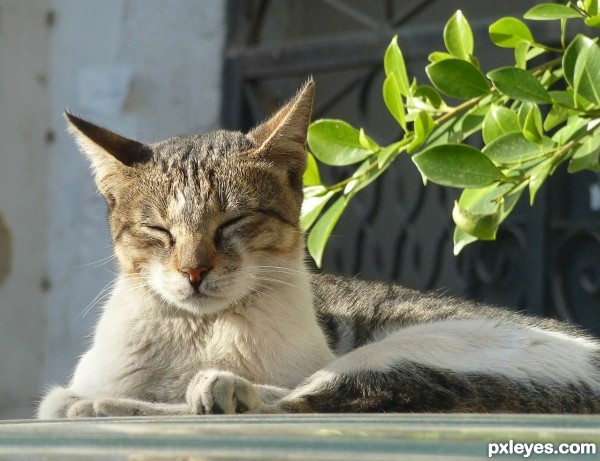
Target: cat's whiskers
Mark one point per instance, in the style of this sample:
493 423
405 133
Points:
104 293
142 281
273 272
277 269
139 281
135 277
259 291
282 282
270 279
255 290
99 262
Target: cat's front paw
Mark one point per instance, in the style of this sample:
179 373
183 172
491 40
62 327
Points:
221 392
82 409
101 407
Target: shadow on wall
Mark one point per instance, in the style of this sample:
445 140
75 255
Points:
5 244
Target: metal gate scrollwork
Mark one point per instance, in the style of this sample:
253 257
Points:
546 259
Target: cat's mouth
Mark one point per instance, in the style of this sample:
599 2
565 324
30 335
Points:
213 294
204 299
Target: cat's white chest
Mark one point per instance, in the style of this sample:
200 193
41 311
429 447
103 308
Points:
145 351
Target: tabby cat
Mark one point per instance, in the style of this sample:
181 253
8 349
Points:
214 310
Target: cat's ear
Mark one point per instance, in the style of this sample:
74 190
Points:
282 137
108 152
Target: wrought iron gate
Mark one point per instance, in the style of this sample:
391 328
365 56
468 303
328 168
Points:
546 258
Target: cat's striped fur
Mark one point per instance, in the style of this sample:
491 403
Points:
435 353
215 311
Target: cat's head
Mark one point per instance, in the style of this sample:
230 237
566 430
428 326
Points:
203 221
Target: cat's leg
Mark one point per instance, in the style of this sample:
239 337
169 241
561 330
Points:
221 392
62 402
131 407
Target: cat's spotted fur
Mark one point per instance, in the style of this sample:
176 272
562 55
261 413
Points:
215 312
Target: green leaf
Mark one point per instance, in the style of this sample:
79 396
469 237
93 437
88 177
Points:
422 128
481 225
311 174
508 32
512 148
366 141
574 128
312 207
319 234
313 191
458 36
439 56
455 130
364 175
532 123
581 66
586 155
569 100
457 78
486 201
393 63
550 11
392 97
534 51
387 153
461 239
335 142
521 51
519 84
522 113
497 122
562 98
593 21
557 115
537 176
589 6
457 165
429 95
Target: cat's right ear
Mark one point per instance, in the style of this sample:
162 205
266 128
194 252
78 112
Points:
108 152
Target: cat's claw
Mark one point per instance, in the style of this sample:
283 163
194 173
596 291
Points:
221 392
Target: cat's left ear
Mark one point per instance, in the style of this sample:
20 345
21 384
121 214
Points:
109 153
282 138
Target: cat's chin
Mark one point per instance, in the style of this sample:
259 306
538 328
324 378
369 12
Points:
201 304
206 306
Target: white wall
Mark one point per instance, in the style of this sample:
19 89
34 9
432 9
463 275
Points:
173 53
24 161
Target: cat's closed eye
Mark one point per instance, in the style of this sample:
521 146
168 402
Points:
233 221
227 225
160 232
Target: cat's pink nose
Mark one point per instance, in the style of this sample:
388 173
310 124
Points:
195 275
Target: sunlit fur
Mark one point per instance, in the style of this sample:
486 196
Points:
255 331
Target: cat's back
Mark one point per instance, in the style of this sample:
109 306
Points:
353 312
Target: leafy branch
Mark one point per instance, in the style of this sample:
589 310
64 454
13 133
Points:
531 118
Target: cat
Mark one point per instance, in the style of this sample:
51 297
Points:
215 311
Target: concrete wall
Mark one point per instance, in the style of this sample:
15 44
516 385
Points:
141 68
24 111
